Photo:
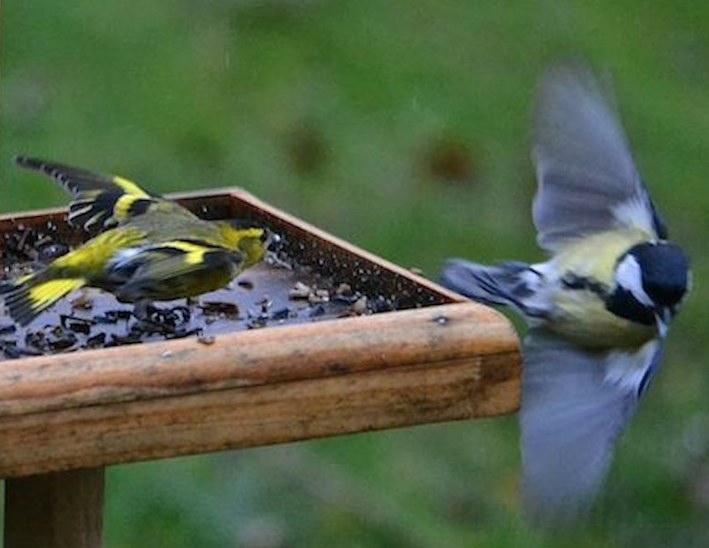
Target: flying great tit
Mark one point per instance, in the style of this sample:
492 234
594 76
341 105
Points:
150 249
598 309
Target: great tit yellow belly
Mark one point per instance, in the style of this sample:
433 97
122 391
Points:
579 308
598 309
151 249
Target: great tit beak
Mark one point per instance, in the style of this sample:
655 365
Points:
663 316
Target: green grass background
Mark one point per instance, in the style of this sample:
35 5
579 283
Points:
400 126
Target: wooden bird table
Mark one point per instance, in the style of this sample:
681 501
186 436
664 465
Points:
65 416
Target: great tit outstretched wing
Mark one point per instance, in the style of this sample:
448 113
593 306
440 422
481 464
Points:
588 181
575 405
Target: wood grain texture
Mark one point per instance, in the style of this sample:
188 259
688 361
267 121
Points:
249 358
259 415
60 510
255 388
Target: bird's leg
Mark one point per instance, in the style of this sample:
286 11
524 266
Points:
141 310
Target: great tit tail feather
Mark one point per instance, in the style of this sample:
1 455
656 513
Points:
507 284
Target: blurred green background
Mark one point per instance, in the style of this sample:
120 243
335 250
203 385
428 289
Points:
400 126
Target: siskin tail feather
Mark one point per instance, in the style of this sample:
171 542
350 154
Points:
30 295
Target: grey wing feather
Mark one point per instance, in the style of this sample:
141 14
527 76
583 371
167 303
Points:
587 178
572 414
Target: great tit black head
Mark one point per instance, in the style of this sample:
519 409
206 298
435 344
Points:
651 279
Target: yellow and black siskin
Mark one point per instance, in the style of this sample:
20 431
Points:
151 249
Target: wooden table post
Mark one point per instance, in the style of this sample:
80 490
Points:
55 510
62 418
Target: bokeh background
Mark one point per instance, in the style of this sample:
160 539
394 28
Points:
402 127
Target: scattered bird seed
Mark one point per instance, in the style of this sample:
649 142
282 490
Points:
82 301
300 291
223 309
7 329
281 314
290 292
206 339
316 311
245 284
96 341
359 307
